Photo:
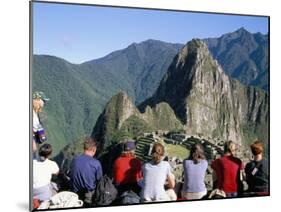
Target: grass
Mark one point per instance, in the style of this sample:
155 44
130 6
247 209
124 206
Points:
177 150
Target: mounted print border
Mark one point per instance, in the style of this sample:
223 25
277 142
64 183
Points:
132 106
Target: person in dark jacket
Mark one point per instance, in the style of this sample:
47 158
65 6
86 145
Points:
257 170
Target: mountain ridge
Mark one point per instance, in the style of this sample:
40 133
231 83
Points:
103 80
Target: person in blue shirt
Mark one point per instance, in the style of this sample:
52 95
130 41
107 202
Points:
85 171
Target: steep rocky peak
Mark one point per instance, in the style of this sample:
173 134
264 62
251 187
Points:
121 107
195 47
121 101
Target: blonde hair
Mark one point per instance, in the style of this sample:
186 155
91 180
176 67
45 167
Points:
37 105
158 152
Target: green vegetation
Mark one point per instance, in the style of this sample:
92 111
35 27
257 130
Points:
78 93
135 126
177 150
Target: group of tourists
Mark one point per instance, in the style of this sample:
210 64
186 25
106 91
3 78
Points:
153 180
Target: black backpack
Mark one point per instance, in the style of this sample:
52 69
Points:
105 192
129 197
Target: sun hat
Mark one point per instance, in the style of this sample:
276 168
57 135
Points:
40 95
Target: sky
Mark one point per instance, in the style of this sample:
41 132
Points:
79 33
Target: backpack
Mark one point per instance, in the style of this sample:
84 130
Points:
129 197
105 192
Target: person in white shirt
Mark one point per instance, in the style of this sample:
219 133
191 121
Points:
43 169
157 175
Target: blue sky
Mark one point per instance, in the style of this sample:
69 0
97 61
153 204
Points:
80 33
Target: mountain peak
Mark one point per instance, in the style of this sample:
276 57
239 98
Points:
241 30
193 51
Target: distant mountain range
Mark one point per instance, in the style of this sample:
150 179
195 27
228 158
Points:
243 56
194 96
79 93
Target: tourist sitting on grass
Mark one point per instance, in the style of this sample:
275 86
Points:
228 171
43 169
257 171
156 174
194 173
127 169
85 171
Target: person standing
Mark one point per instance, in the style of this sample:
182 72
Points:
39 99
257 170
127 169
85 171
155 175
194 173
228 170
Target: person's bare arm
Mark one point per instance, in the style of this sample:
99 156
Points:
242 175
171 181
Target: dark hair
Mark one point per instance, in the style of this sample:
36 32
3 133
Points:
89 143
256 147
229 147
45 151
157 152
196 153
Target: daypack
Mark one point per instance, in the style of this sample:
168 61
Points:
129 197
105 192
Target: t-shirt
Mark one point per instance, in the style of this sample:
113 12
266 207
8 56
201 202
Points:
127 170
257 179
154 178
85 171
42 172
227 169
36 122
194 175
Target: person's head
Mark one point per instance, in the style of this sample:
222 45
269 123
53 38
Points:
257 148
45 151
229 147
38 101
197 153
129 148
158 152
90 146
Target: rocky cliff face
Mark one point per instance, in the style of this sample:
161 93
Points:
121 119
207 101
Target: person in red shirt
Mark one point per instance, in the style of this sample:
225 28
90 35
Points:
127 169
228 170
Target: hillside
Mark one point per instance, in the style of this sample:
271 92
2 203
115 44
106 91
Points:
122 120
74 105
208 102
79 92
243 56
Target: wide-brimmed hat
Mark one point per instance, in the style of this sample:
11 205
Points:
40 95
